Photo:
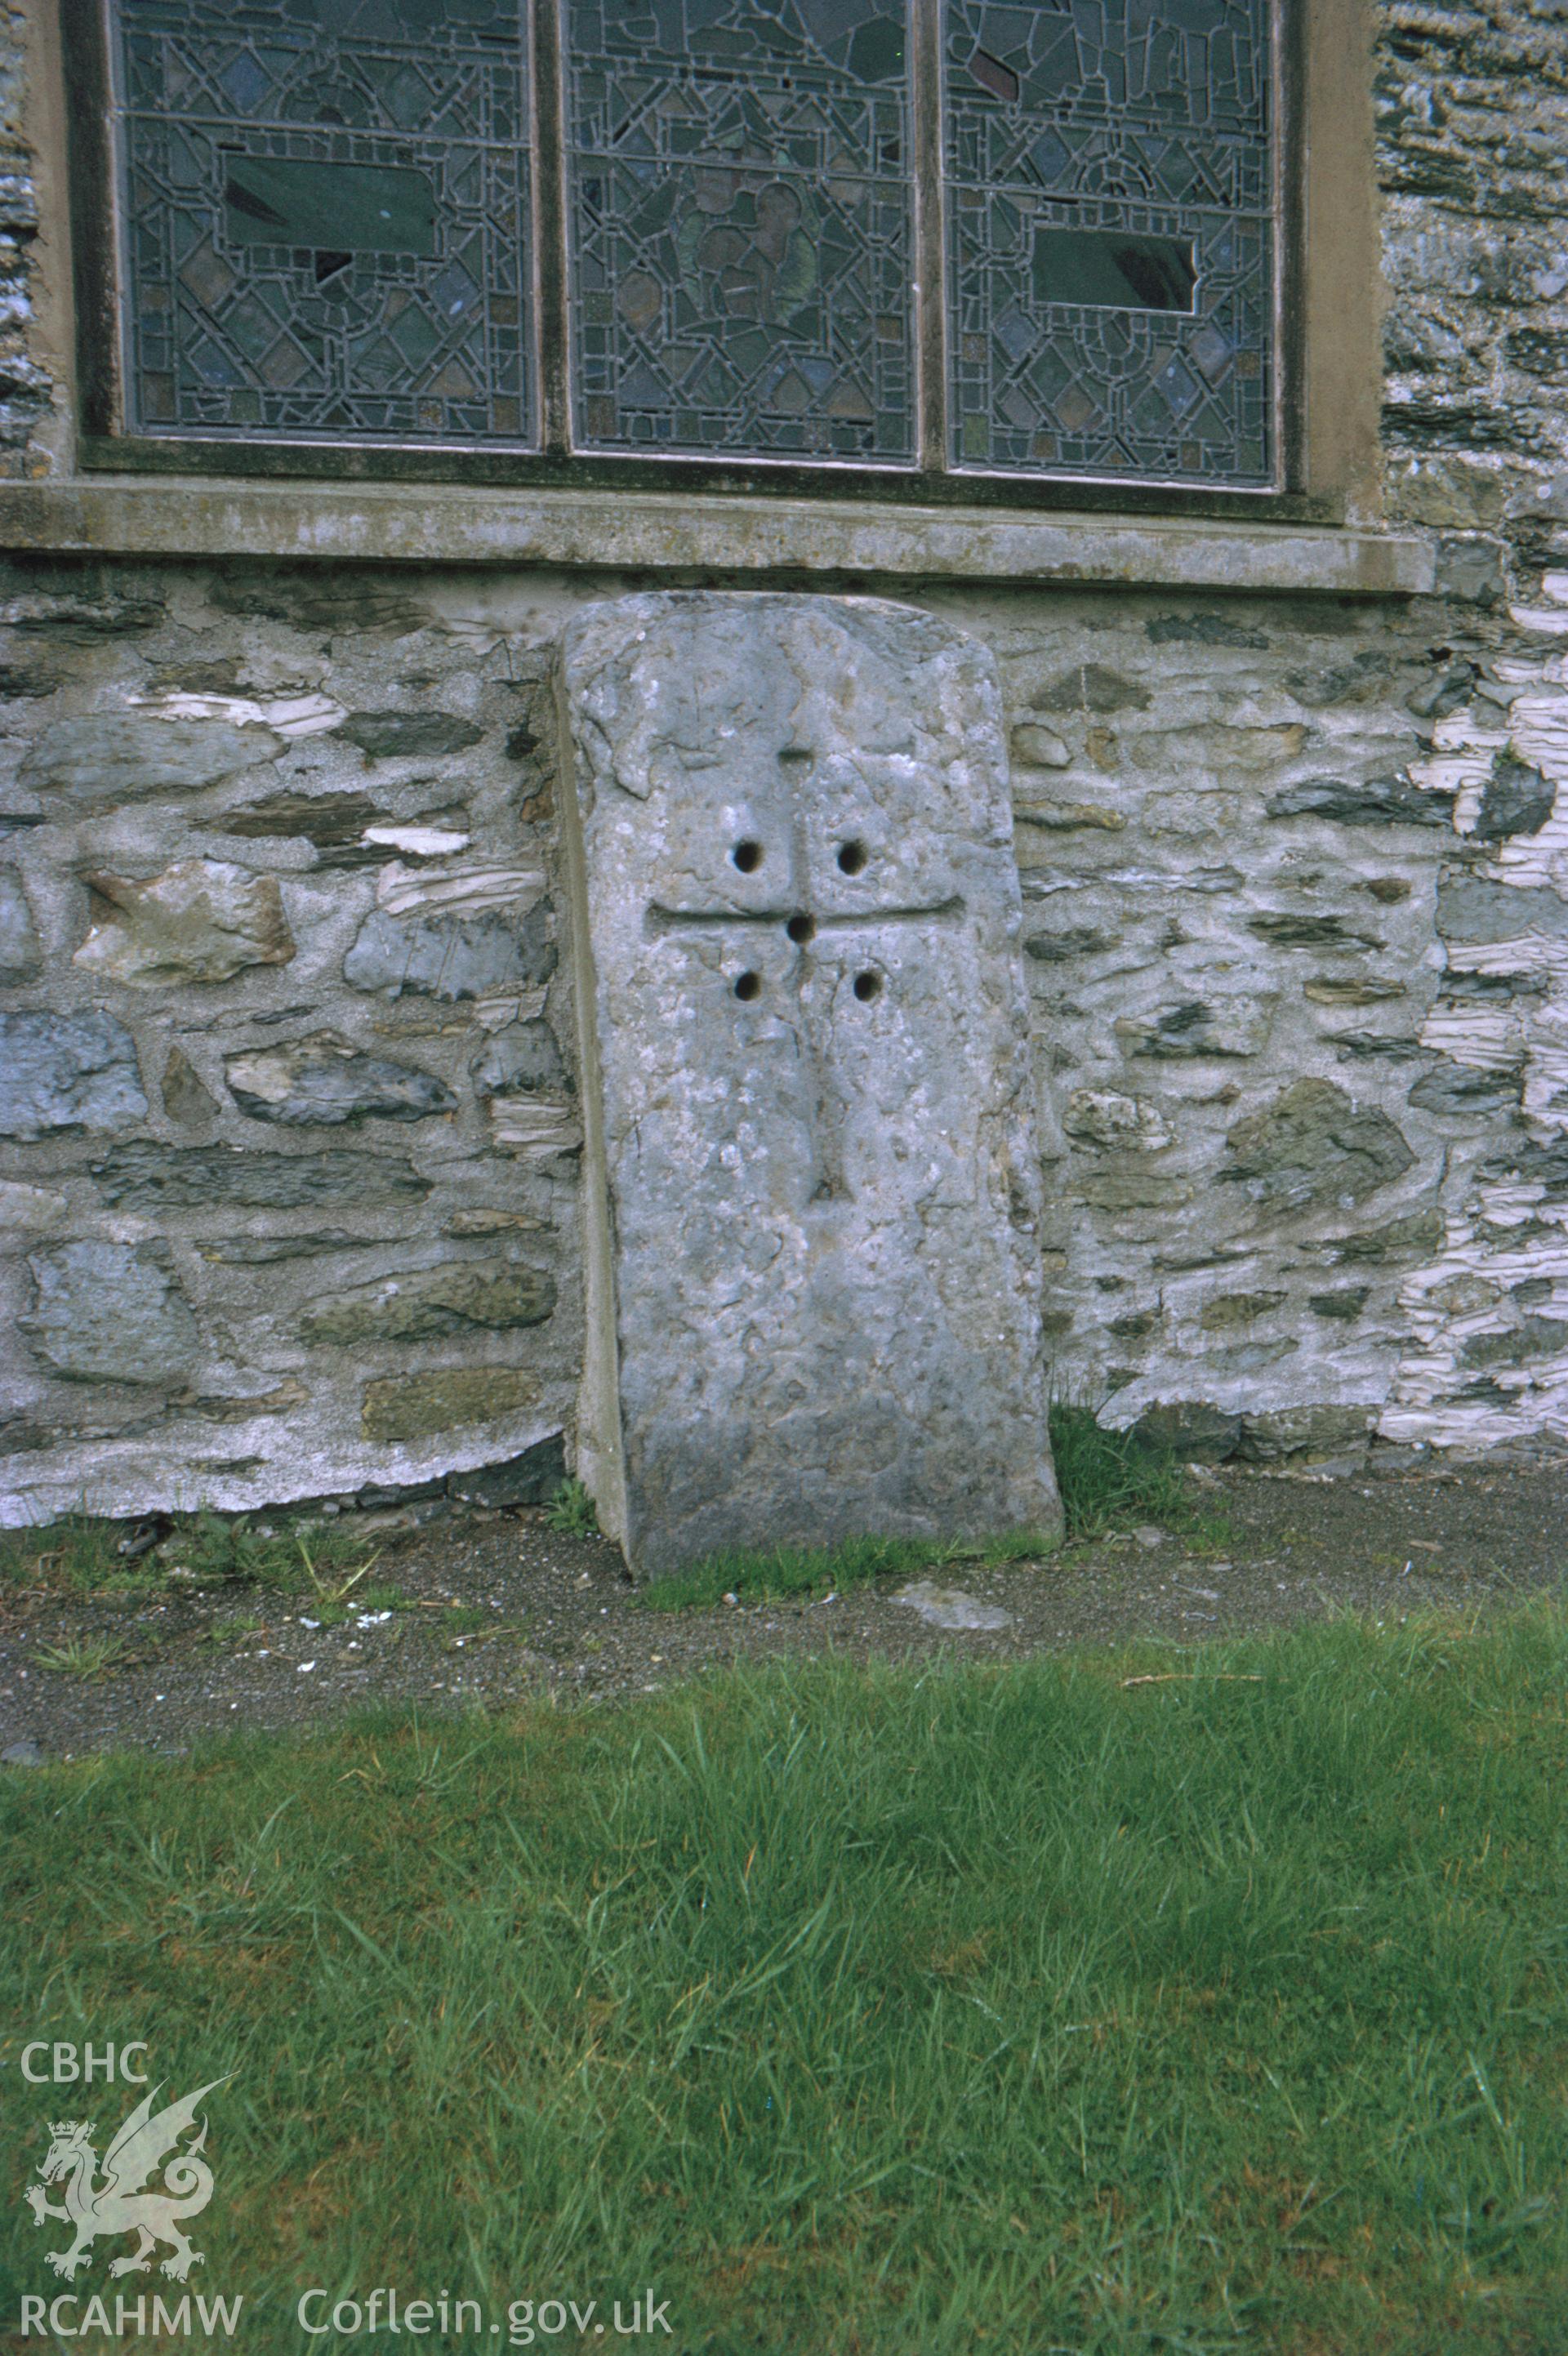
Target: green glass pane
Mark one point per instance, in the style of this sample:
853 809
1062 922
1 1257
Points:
1110 177
350 207
329 224
1112 270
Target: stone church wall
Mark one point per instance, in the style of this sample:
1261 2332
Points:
288 1136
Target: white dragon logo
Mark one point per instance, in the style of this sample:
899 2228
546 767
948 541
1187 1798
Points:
120 2204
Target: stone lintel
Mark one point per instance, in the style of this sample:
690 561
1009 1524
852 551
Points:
443 524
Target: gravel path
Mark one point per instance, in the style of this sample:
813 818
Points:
499 1606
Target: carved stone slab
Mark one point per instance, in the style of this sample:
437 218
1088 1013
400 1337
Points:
814 1183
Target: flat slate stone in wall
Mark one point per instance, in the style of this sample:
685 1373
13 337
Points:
105 1312
806 1004
264 1232
67 1071
124 757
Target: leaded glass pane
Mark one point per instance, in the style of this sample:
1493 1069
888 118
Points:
326 217
740 226
1110 238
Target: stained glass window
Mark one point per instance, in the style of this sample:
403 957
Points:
741 226
1007 237
1110 238
326 219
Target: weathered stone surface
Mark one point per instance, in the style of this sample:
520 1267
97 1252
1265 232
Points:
1289 928
531 1479
1304 1431
320 597
429 1301
1458 985
67 1071
107 1313
1225 1027
802 941
1374 1047
1102 1116
520 1059
1539 1165
1435 698
1202 631
1091 686
1470 909
186 1096
1530 1337
1228 1309
324 1080
1127 1187
19 951
26 1209
1459 1089
334 823
1360 678
399 736
200 920
537 1126
1038 747
452 957
416 1407
1517 800
1190 1429
1073 941
491 1220
121 756
1348 990
1346 1305
1371 801
262 1251
1312 1145
1416 1237
79 611
241 1407
1064 818
148 1177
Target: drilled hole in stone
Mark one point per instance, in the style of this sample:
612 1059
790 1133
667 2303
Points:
867 986
800 928
851 857
748 856
749 985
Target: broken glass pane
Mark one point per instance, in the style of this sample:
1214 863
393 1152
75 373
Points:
740 228
328 227
1110 238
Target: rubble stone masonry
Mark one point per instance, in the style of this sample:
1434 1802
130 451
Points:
289 1128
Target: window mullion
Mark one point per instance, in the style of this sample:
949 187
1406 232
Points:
931 325
550 287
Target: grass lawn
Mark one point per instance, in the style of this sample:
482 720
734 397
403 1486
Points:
854 2010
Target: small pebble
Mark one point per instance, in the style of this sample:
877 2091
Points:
21 1754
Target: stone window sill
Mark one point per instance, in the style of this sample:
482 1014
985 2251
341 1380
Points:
653 534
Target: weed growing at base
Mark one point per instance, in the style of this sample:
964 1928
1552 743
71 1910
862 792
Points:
1110 1479
81 1656
84 1554
573 1511
821 1571
871 2010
